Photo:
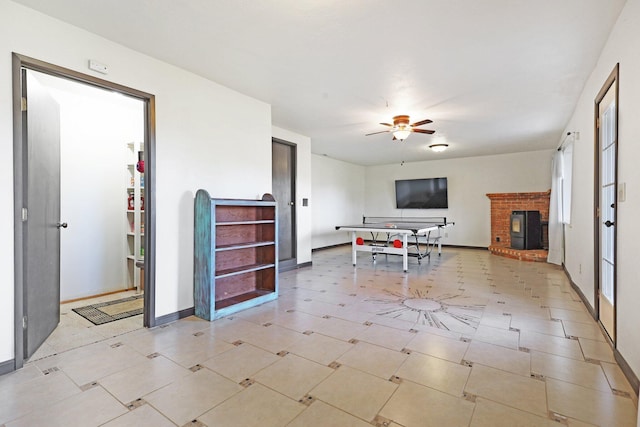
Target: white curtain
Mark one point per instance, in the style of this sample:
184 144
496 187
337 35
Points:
556 227
567 172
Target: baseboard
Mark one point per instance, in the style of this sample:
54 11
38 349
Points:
624 366
304 264
482 248
8 366
584 299
627 371
338 245
172 317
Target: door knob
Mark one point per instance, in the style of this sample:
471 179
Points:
291 203
609 223
62 225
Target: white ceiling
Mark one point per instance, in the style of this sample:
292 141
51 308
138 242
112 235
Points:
495 76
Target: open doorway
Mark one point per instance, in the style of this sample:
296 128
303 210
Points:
101 207
94 242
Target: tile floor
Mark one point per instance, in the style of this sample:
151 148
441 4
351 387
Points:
465 339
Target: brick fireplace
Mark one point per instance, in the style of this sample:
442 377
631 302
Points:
502 204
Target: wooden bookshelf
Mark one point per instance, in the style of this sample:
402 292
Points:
235 255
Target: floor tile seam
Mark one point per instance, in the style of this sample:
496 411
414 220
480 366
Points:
231 379
308 392
521 329
52 404
516 353
208 338
584 360
590 321
384 404
261 346
61 353
382 346
409 348
549 406
544 417
154 349
202 364
339 409
560 355
200 415
315 361
484 341
132 410
576 384
124 404
610 395
191 418
30 411
370 373
528 376
431 387
142 361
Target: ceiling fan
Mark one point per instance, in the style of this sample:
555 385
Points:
401 129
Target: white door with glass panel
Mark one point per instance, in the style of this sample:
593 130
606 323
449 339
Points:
607 203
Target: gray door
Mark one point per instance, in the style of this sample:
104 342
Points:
283 177
42 226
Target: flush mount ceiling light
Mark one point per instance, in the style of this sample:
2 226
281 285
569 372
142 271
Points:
439 147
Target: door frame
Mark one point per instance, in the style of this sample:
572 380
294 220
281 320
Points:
614 77
19 181
291 263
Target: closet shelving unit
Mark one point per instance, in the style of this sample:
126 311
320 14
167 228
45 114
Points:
235 254
135 217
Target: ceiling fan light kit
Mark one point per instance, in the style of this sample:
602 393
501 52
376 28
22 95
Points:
401 134
439 147
401 129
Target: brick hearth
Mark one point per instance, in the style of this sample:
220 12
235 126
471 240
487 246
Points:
502 204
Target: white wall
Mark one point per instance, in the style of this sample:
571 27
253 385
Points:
197 146
469 180
622 47
95 126
303 190
338 194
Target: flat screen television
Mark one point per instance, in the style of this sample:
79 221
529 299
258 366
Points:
427 193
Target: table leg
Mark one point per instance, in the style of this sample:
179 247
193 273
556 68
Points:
353 248
405 252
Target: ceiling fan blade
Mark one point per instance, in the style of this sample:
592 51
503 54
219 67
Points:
427 131
386 124
374 133
421 122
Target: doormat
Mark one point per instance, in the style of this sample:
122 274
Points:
110 311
